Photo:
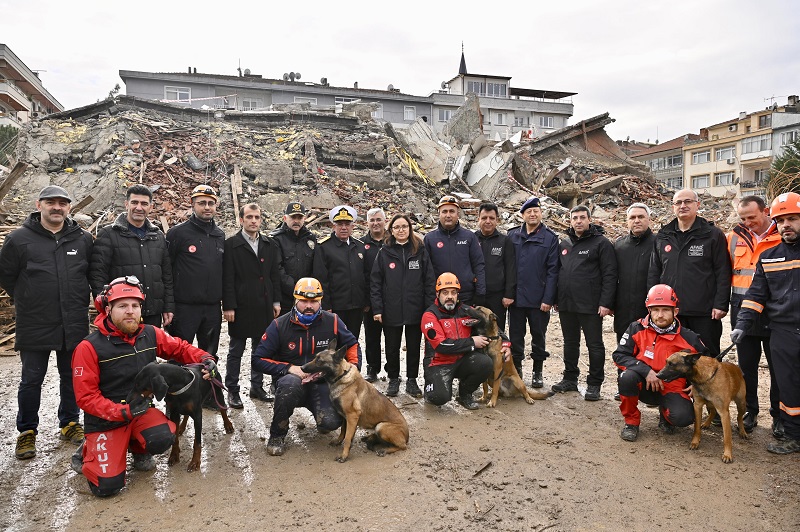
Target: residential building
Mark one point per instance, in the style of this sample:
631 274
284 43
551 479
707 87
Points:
506 109
631 148
22 95
785 125
666 160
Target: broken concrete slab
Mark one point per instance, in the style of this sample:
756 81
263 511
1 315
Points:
466 123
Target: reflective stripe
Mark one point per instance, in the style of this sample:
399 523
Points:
732 246
739 290
752 305
791 410
745 271
781 266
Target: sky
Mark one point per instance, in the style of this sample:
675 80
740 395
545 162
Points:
660 69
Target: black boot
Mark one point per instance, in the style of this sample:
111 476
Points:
536 377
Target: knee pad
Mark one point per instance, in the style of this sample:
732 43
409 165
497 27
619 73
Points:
158 439
629 383
107 487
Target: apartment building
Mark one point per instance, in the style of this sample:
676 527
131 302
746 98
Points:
786 126
666 161
22 95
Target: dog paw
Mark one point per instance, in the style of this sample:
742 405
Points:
727 458
381 452
173 460
491 404
193 466
341 459
529 400
694 445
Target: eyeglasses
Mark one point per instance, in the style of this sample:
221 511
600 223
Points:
400 228
683 202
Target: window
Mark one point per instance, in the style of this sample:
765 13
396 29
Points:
674 161
700 157
248 104
723 179
377 114
675 182
755 144
409 113
760 175
496 90
700 181
476 87
723 154
546 121
301 99
445 115
657 164
501 119
789 137
764 121
519 121
179 94
344 99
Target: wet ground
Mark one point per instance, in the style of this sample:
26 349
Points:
555 465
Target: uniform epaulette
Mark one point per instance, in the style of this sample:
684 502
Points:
324 239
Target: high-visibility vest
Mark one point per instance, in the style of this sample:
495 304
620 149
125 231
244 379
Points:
744 252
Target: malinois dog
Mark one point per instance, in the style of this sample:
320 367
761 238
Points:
360 404
505 382
714 384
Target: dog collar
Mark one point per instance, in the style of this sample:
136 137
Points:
185 387
709 379
342 375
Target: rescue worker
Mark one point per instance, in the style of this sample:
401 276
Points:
776 289
500 263
296 245
291 341
455 249
339 266
642 352
373 242
753 235
104 366
451 350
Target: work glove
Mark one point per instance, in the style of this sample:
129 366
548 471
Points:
211 366
737 335
138 406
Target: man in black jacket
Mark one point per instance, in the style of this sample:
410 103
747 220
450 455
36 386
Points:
373 242
587 282
339 266
633 260
296 247
500 264
196 248
250 298
691 255
44 266
132 245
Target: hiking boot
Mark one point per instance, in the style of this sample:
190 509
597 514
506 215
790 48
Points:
617 397
276 446
565 386
26 445
592 392
143 462
234 400
394 388
72 433
76 461
257 392
786 446
750 421
629 432
412 388
536 380
372 374
467 401
777 429
664 425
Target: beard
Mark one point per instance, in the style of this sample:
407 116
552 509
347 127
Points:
128 327
450 305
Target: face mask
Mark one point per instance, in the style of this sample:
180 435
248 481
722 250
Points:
306 319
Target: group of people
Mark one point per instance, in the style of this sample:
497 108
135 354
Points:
291 294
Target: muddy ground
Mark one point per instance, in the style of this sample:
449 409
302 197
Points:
556 465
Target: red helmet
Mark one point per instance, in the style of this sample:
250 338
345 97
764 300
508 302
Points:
119 288
447 280
661 295
787 203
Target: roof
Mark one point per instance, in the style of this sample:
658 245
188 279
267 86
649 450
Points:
537 93
669 145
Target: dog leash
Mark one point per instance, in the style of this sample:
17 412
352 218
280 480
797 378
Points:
724 352
215 383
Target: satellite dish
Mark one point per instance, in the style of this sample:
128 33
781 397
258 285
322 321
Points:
297 75
444 85
246 71
390 88
285 77
323 81
291 76
355 85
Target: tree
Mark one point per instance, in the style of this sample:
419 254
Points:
8 136
784 176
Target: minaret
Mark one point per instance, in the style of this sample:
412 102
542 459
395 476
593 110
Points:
462 70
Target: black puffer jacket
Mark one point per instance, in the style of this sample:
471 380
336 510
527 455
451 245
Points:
196 249
401 284
48 280
588 275
119 252
297 259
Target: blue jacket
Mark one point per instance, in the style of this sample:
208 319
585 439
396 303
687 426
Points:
537 266
458 252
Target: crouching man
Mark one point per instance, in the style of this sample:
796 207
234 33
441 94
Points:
642 352
451 351
104 366
291 341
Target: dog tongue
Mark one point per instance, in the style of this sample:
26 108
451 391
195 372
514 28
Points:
311 378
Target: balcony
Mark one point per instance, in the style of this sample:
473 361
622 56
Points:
12 96
10 119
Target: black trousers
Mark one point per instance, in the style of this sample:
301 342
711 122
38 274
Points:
709 330
352 318
413 340
290 393
233 364
372 339
203 321
537 322
749 354
592 325
676 407
471 370
785 347
494 301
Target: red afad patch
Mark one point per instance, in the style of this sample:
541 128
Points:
78 372
440 244
264 336
366 246
563 251
192 249
668 248
392 265
292 345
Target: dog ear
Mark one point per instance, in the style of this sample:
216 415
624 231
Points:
338 356
692 359
332 344
159 386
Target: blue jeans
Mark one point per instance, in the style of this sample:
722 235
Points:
29 396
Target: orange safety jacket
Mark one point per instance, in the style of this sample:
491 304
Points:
744 251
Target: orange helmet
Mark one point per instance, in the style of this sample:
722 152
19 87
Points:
308 288
786 203
661 295
204 190
447 280
119 288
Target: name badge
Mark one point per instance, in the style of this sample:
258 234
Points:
649 354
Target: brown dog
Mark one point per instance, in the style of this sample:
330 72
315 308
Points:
714 384
506 382
360 404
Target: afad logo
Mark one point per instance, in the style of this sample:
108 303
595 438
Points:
668 248
392 265
264 336
440 245
192 248
291 346
563 251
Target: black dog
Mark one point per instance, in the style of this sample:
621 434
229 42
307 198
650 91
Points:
183 388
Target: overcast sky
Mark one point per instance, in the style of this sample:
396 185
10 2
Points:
661 69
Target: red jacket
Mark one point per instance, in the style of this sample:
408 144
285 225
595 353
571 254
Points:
448 335
99 389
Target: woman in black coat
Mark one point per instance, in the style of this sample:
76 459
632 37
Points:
401 288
